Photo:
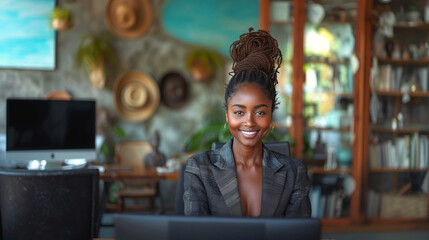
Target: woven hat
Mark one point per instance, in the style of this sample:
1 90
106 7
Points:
174 90
129 18
136 96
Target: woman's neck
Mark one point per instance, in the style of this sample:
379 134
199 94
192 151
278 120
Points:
247 156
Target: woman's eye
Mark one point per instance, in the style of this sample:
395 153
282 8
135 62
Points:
260 113
238 112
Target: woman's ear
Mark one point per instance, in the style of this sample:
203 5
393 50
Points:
226 116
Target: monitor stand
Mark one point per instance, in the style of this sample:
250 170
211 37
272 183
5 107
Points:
57 164
44 165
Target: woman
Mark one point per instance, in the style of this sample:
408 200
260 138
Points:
244 178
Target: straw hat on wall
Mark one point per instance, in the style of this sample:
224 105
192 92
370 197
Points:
129 18
136 96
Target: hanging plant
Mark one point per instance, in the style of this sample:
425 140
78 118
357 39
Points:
202 64
61 19
93 54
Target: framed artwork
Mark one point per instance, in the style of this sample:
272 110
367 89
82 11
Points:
27 39
214 24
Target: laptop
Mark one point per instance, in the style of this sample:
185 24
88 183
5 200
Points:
164 227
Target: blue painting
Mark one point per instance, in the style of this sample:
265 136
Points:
214 24
27 40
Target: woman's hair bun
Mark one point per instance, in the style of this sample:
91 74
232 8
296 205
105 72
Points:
256 50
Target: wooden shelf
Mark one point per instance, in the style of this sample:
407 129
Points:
337 94
412 26
408 220
399 93
327 60
333 22
344 95
404 62
377 225
344 129
321 170
280 125
404 130
387 169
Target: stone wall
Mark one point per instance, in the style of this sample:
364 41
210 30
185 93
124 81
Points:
155 53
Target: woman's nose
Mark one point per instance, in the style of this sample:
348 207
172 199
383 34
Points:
250 121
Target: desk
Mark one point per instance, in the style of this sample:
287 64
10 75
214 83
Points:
115 172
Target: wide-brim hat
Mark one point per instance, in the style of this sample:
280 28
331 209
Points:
174 90
129 18
136 96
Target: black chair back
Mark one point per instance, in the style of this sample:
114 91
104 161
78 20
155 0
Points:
49 204
280 147
180 189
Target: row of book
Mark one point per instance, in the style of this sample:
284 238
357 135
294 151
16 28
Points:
389 204
408 151
326 205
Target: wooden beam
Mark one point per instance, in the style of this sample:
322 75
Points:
361 110
264 14
298 76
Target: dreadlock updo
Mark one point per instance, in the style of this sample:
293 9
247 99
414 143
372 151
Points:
257 59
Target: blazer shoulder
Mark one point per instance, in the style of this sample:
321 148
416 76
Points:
295 163
204 158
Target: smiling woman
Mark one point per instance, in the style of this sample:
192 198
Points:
244 178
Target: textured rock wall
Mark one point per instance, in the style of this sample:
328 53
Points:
155 53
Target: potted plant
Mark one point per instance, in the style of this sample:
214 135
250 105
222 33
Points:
93 54
202 63
61 19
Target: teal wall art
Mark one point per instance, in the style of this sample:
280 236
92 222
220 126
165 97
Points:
27 40
214 24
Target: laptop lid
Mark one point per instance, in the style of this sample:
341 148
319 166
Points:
129 227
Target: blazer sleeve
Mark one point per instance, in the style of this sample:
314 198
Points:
195 196
299 204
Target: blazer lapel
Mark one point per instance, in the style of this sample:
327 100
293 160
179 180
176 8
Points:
226 178
273 181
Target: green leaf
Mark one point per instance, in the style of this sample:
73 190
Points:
61 13
119 132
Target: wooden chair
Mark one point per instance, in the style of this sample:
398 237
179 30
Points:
132 153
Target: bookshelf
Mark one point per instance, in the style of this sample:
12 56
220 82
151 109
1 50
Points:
363 206
322 113
397 162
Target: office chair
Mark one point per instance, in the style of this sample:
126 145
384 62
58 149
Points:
280 147
132 153
49 204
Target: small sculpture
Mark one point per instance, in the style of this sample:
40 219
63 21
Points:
154 158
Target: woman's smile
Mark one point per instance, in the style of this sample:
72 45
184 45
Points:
249 134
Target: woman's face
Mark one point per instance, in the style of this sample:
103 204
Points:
249 114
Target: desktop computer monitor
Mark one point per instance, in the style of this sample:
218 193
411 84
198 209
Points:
164 227
49 130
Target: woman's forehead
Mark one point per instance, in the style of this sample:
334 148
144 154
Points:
249 93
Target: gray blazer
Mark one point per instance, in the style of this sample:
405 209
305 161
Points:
211 185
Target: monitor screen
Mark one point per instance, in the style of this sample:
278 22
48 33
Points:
55 130
166 227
